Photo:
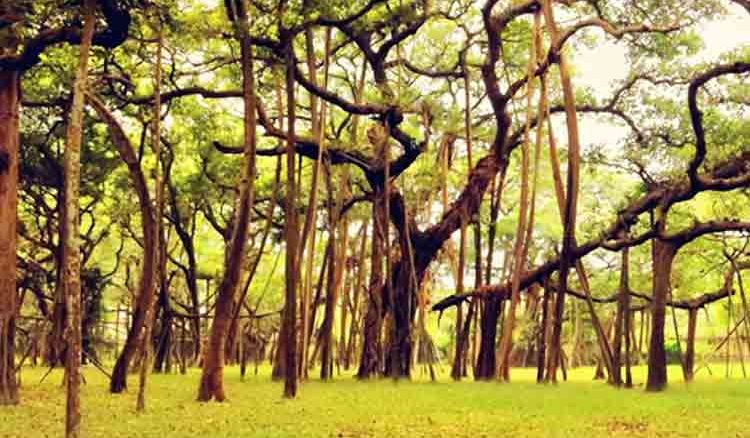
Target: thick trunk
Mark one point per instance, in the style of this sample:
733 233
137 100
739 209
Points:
9 141
486 362
663 256
212 379
369 363
398 360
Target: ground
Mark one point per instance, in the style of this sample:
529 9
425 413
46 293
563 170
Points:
713 406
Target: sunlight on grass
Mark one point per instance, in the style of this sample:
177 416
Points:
712 406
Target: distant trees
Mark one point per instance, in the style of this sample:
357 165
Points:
397 145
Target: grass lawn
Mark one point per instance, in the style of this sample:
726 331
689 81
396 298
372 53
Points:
711 407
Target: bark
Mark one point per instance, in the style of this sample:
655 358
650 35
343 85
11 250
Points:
621 318
356 319
629 337
291 237
370 364
486 362
72 251
335 272
542 334
690 347
118 382
162 356
191 269
212 379
457 368
567 258
56 354
663 257
459 363
161 248
9 143
318 128
522 241
477 284
402 305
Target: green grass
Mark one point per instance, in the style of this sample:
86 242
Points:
710 407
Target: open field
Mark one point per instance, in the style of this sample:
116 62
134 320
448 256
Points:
711 407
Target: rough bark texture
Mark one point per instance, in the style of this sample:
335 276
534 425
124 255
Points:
9 141
72 251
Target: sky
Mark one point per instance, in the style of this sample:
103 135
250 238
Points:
603 67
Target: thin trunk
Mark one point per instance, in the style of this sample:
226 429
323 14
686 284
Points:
160 249
623 303
456 369
628 344
335 272
358 284
291 237
459 367
690 347
523 236
542 334
308 229
118 382
72 252
571 199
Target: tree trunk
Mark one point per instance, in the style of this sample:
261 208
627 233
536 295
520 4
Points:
369 363
335 271
571 198
212 379
520 248
493 309
486 362
146 284
56 340
458 356
542 334
9 142
72 251
690 348
166 333
663 256
291 236
623 305
355 299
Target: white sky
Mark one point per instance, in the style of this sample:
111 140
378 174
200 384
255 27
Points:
604 66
